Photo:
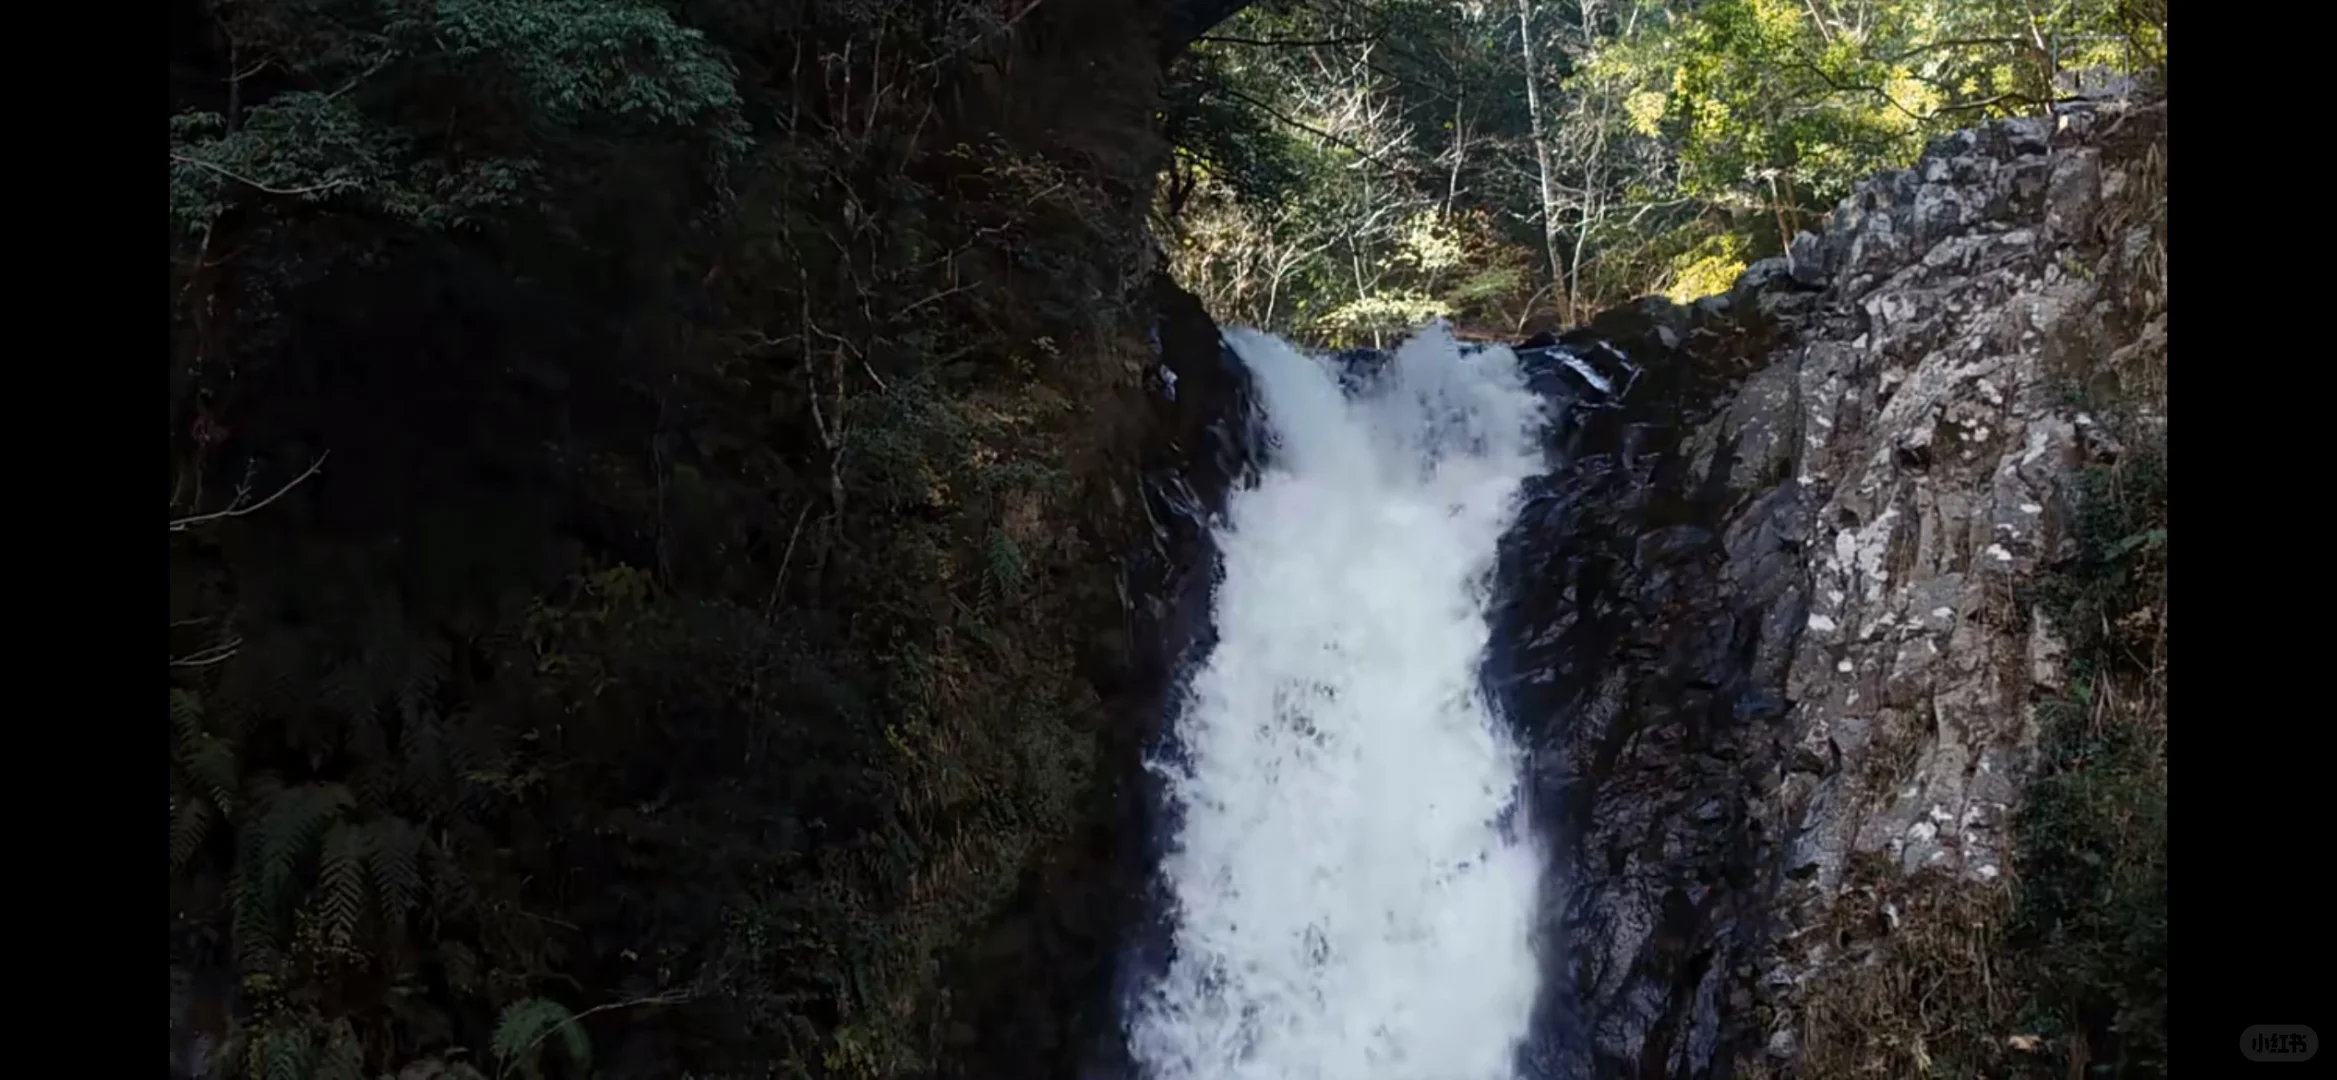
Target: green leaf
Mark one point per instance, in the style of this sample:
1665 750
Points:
343 1057
2147 540
341 882
394 853
526 1023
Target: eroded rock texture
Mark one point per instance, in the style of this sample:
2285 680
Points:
1768 619
1976 303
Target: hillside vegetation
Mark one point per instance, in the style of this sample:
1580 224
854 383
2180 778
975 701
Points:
638 565
1347 169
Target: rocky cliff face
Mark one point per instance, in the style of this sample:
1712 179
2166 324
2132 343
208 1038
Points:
1939 404
1770 623
1984 317
1773 620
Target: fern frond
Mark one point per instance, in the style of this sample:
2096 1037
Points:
450 888
190 823
251 930
341 883
343 1057
364 738
1004 557
394 853
255 921
425 671
526 1023
230 718
429 778
350 687
295 819
186 714
261 788
375 783
474 746
283 1053
210 762
578 1043
459 965
476 749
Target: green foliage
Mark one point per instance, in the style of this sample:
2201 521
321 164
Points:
341 891
208 759
548 77
190 825
1756 93
2106 601
1772 109
1224 141
311 148
1683 141
1321 184
1003 558
290 824
581 61
687 621
520 1033
342 1058
392 849
2092 908
282 1052
1710 267
286 830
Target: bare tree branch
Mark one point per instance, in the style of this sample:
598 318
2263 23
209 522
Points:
1951 43
238 509
222 170
1302 125
1292 43
970 42
215 654
781 579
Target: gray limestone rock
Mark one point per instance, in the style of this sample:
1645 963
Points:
1764 625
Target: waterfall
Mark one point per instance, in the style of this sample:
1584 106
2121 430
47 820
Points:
1351 883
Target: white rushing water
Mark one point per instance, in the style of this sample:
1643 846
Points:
1353 881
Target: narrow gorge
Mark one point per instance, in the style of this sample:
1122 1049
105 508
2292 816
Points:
716 539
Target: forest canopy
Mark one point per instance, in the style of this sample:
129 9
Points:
1348 169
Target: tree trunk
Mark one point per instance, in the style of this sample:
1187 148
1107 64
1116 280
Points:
1525 44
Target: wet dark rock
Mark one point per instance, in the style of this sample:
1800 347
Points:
1634 619
1057 970
1201 444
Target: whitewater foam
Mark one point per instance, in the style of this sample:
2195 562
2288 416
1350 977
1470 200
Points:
1353 880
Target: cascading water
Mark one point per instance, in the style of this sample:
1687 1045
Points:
1352 884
